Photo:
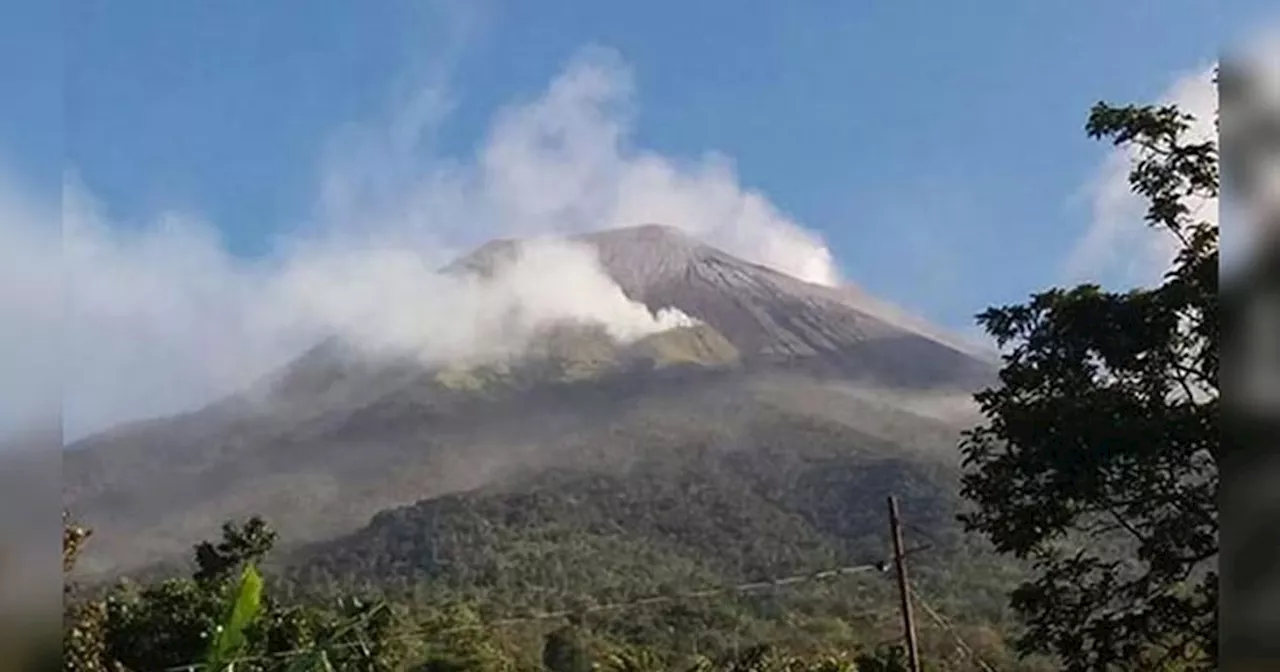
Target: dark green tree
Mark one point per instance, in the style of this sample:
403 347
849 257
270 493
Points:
171 623
565 651
1098 460
241 543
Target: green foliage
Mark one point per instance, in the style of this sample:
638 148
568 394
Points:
806 495
1099 457
229 639
240 545
633 659
456 638
572 540
162 625
165 624
211 618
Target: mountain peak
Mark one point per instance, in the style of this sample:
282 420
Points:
663 235
768 316
647 254
645 249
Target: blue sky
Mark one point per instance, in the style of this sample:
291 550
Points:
937 148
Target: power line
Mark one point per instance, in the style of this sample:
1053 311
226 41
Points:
748 587
946 625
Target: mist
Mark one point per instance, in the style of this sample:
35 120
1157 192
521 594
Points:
132 322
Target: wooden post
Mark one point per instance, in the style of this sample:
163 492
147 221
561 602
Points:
904 596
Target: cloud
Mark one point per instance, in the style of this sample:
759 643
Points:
563 163
1119 244
162 319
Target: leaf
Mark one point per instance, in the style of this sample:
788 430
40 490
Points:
230 639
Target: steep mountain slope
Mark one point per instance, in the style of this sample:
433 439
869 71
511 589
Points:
337 437
781 496
770 317
778 494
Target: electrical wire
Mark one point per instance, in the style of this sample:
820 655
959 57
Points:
946 625
749 587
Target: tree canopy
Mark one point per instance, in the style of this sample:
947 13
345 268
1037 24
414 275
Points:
1098 459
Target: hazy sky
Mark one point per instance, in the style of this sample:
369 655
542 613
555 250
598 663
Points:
932 153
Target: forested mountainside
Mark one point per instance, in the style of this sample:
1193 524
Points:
799 498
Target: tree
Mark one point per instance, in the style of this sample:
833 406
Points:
221 615
84 647
1098 458
455 639
241 543
564 651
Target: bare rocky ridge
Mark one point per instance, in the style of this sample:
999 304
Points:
335 438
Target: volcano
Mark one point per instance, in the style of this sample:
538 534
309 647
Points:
338 436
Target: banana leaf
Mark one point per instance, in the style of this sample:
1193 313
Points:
229 641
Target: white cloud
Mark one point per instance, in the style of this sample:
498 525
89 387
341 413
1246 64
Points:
163 319
1118 243
564 163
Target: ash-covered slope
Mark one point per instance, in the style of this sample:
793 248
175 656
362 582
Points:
771 318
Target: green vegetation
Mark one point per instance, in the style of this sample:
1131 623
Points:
1099 461
222 617
689 511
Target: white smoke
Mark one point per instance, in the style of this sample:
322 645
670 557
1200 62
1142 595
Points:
563 163
163 319
390 300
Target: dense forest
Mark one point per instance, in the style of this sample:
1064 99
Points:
842 621
650 555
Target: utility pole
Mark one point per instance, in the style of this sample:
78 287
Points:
900 565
